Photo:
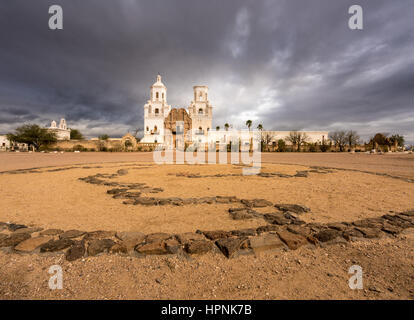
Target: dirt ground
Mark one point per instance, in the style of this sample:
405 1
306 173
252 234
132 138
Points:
58 199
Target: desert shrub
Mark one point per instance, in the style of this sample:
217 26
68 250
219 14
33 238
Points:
324 147
281 145
312 147
79 147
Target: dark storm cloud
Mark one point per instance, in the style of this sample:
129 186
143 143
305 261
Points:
287 64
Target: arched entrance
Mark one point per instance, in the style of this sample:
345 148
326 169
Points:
128 142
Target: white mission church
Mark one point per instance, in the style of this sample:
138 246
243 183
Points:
161 122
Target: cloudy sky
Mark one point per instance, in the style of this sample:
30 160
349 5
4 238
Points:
290 65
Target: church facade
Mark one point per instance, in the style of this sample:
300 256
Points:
62 132
162 123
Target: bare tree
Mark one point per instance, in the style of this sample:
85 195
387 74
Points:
353 138
297 139
339 138
266 139
137 132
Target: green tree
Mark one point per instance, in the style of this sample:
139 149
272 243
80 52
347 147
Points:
281 145
103 137
249 124
218 128
33 135
381 139
260 127
75 134
397 138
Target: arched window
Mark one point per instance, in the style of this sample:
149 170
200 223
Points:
157 111
200 111
155 129
156 95
147 129
163 96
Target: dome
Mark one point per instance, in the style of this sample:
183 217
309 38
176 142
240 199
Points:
158 83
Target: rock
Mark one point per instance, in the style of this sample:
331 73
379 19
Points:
117 190
277 218
244 232
268 228
157 236
99 235
265 242
231 246
397 221
293 218
129 195
261 203
130 239
328 235
369 223
172 245
56 245
71 234
209 200
301 174
256 203
13 227
119 248
293 241
156 247
184 238
100 245
337 226
27 230
217 234
51 232
406 218
302 230
408 213
75 252
122 172
351 234
220 199
389 228
199 246
175 201
240 214
145 201
14 239
295 208
369 232
32 243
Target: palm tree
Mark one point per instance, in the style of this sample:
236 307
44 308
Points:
226 126
249 124
260 127
218 128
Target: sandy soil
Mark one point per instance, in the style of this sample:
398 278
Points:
387 266
392 163
59 200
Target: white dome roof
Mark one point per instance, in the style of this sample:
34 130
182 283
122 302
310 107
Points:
158 83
